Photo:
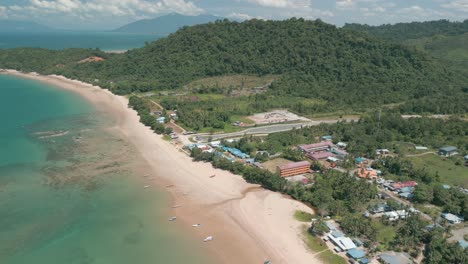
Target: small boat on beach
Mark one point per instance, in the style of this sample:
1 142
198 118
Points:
170 185
212 176
146 186
172 218
196 225
209 238
176 206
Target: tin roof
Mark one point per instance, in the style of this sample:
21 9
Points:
293 165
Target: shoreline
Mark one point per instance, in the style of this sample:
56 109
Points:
249 224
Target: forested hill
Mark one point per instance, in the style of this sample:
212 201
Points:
314 59
403 31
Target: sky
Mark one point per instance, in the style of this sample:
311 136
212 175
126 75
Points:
109 14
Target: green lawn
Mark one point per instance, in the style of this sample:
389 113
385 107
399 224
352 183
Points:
449 172
385 234
330 257
303 216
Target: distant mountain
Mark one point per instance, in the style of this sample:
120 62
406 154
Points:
165 24
22 26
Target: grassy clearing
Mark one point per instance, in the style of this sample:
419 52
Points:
385 234
302 216
272 164
446 168
330 257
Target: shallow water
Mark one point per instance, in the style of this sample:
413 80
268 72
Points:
71 190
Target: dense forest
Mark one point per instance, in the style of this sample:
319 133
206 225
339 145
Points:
403 31
342 69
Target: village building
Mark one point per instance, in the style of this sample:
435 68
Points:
382 151
293 169
392 257
367 173
339 153
448 151
161 120
342 144
320 155
316 147
327 137
451 218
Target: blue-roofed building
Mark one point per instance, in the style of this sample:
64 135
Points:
395 258
327 137
359 160
161 119
358 242
364 261
406 190
330 225
463 243
337 233
356 253
406 195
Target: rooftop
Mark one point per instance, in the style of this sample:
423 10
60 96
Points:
448 148
293 165
463 243
316 145
320 155
356 253
395 258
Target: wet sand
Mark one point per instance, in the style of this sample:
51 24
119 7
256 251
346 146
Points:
249 224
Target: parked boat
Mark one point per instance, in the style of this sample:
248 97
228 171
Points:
209 238
172 218
196 225
146 186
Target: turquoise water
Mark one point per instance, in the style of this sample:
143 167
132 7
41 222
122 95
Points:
61 40
75 197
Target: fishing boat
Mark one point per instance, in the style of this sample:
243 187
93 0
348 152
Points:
212 176
209 238
172 218
196 225
176 206
146 186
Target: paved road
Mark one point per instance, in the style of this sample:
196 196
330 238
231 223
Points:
262 130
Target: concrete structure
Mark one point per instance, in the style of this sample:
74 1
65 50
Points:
448 151
343 243
356 253
316 147
293 168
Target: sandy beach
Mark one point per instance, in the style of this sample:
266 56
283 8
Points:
249 224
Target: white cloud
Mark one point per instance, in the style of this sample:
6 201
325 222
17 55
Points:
283 3
3 11
91 8
240 16
457 5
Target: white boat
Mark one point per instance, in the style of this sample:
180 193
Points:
209 238
146 186
176 206
172 218
196 225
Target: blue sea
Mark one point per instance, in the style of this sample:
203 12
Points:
72 192
108 41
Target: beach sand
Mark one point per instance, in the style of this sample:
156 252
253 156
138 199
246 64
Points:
249 224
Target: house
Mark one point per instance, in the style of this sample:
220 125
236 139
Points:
382 151
356 253
399 185
406 190
379 208
451 218
320 155
327 137
316 147
420 148
367 173
406 195
331 225
392 216
339 153
360 160
161 120
391 257
173 116
463 244
465 157
342 144
448 151
384 196
342 242
332 159
215 144
293 168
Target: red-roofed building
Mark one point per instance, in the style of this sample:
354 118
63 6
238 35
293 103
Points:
293 168
399 185
316 147
320 155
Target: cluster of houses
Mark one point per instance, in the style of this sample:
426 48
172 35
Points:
403 189
352 247
226 152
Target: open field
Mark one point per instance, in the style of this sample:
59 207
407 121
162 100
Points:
276 116
448 171
272 164
303 216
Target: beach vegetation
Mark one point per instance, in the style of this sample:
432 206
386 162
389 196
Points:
303 216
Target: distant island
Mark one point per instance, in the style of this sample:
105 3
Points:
22 26
165 24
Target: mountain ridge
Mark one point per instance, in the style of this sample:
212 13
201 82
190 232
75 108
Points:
8 25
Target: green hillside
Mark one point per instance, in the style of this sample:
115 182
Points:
342 70
401 32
